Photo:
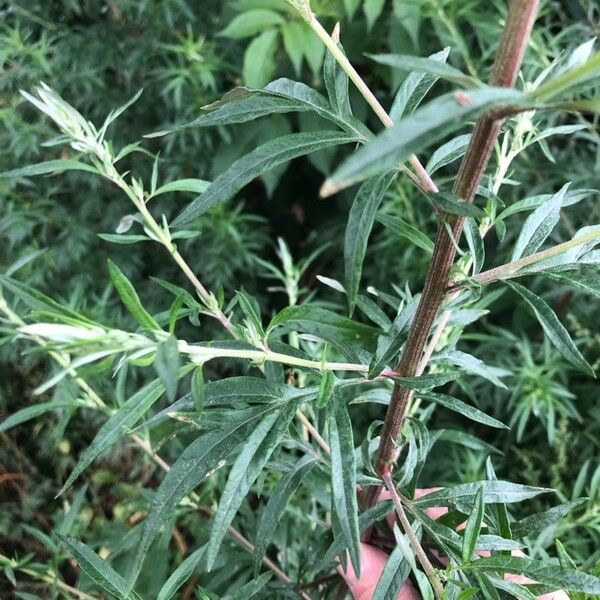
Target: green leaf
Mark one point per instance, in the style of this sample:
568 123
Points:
181 574
414 88
294 36
198 390
393 576
569 79
117 426
403 229
281 96
130 298
166 364
360 223
493 492
389 345
250 589
450 204
417 132
253 456
543 572
202 456
251 22
275 507
448 153
124 239
536 523
571 197
583 283
336 84
467 440
372 10
259 59
554 329
49 166
259 161
474 365
456 405
323 323
326 387
429 380
473 528
475 243
98 570
343 477
539 225
197 186
431 66
40 302
31 412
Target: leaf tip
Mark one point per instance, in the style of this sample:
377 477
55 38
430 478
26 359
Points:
328 189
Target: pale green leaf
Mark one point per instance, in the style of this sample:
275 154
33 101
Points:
554 329
275 507
343 477
259 161
253 456
181 574
417 132
130 298
360 223
259 59
251 22
98 570
539 225
403 229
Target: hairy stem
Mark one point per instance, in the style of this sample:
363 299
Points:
424 181
519 22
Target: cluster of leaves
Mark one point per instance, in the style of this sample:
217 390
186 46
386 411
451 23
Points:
273 446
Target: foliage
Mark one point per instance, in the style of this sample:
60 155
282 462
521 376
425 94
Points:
200 353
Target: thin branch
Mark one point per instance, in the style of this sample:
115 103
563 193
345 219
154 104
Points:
512 269
424 181
520 19
436 584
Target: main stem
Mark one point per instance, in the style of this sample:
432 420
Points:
519 22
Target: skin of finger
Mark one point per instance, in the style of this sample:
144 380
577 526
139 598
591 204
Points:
373 562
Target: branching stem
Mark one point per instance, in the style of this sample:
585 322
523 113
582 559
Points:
519 22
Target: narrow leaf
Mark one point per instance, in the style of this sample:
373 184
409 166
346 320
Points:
539 225
414 88
543 572
473 528
251 460
403 229
256 163
117 426
49 166
181 574
554 329
278 501
431 66
98 570
358 230
417 132
456 405
343 477
166 364
130 298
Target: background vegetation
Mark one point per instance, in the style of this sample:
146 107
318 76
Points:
186 54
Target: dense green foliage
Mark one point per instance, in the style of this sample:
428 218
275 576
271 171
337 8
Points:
193 340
